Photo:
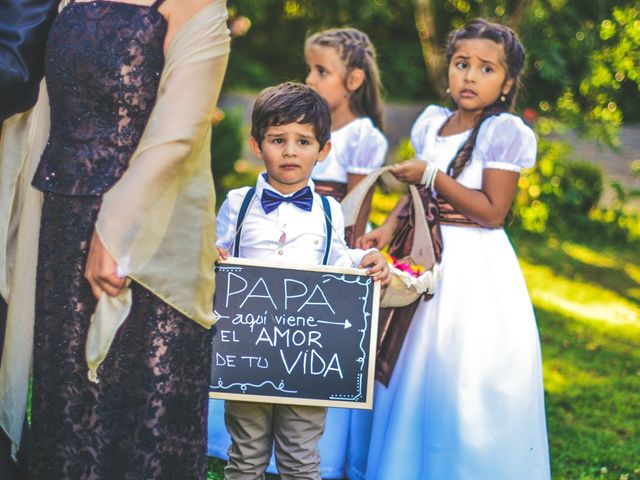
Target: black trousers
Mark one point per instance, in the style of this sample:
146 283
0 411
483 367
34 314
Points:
8 468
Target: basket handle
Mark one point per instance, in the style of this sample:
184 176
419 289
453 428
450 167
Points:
352 202
422 250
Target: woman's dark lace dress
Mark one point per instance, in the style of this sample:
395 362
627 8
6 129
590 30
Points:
146 417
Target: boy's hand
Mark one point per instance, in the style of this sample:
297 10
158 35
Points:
376 266
223 253
410 171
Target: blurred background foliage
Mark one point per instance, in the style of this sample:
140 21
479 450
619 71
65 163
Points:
582 63
582 74
579 254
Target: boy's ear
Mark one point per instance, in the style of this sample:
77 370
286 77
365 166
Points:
324 151
255 147
355 79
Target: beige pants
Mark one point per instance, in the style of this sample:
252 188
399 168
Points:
255 429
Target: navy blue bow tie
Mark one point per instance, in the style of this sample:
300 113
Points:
302 199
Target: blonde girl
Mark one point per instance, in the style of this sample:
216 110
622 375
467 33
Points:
343 69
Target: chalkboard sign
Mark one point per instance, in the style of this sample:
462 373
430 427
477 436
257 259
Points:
293 336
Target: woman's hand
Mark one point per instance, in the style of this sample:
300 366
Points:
223 253
409 171
101 270
376 266
377 238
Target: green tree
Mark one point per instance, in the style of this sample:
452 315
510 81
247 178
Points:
582 62
272 51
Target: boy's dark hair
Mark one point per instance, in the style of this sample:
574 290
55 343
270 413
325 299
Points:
290 102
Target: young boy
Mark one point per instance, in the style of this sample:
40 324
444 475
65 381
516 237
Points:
285 222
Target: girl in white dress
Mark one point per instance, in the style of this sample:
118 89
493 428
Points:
342 68
466 398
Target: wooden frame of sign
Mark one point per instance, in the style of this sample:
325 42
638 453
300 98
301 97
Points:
294 334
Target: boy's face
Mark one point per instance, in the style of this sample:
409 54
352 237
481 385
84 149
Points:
289 153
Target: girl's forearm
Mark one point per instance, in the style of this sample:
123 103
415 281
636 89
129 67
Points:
488 206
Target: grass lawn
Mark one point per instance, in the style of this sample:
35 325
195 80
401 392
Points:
587 300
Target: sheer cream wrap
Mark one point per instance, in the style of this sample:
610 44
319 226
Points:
157 221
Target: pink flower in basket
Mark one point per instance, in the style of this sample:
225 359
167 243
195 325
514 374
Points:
404 265
408 282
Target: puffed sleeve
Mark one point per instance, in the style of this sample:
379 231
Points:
432 116
507 144
367 148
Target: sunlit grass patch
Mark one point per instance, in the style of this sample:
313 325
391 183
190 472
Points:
586 301
590 282
578 298
592 376
589 256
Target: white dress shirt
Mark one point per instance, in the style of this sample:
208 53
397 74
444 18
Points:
288 234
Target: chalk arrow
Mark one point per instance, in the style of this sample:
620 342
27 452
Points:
220 317
346 323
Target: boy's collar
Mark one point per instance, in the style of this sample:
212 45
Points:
262 183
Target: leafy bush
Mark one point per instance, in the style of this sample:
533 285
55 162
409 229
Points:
559 193
620 217
562 195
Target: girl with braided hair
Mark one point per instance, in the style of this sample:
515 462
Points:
343 69
466 398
